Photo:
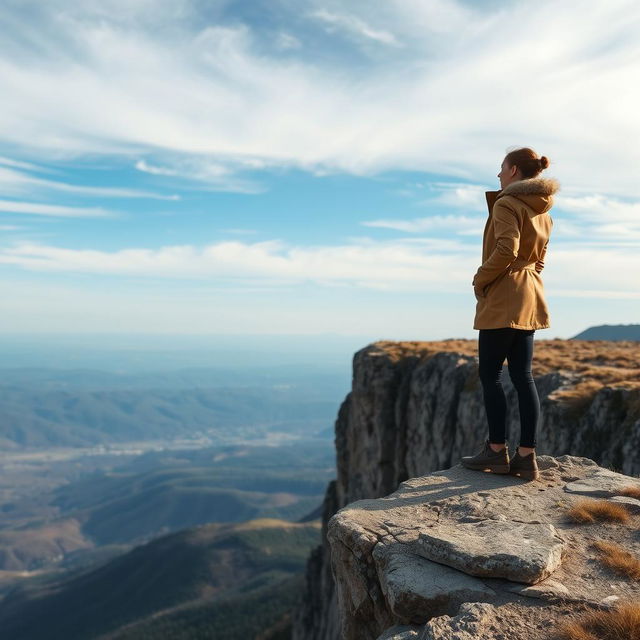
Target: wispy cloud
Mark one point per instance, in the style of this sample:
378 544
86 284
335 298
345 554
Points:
593 271
457 195
462 225
19 164
601 208
142 165
423 264
449 108
287 41
38 209
355 26
21 182
372 264
208 174
597 219
196 95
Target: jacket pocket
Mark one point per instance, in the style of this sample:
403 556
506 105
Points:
493 283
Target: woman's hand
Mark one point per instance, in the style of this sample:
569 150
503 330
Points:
479 291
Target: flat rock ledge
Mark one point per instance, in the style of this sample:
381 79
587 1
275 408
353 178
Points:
518 551
454 553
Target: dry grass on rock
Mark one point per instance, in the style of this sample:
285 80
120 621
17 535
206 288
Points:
621 623
598 361
630 492
587 511
619 559
398 350
593 364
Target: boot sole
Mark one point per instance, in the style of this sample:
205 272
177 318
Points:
526 475
496 468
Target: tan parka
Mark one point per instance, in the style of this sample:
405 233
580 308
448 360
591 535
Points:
508 285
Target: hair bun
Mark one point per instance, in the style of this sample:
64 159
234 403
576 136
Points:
544 162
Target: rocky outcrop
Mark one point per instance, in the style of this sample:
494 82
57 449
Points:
457 536
415 408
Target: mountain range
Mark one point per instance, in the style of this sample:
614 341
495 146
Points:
610 332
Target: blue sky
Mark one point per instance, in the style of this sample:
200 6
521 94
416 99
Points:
306 168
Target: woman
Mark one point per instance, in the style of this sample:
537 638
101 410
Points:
511 306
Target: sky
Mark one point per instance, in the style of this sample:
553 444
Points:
192 168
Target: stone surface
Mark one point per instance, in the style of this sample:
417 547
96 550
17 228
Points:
400 632
471 623
417 589
602 483
546 590
521 552
632 505
546 462
388 553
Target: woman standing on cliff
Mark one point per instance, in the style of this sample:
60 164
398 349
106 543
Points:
511 306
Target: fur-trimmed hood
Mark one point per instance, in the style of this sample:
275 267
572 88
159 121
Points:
532 187
535 193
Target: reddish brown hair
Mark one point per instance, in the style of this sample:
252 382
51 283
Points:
527 161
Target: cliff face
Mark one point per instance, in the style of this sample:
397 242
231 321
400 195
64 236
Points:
415 408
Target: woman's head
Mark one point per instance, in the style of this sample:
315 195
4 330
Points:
521 164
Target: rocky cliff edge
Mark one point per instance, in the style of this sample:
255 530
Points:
416 407
461 554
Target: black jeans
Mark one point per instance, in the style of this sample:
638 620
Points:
516 345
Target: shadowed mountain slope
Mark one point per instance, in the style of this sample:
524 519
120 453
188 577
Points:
190 570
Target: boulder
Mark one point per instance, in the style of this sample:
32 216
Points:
517 551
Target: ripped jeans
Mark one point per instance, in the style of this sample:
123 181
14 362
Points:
516 345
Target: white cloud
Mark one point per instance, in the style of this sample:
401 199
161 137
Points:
355 26
208 175
451 194
38 209
142 165
600 208
20 182
592 270
363 265
466 84
19 164
448 195
198 101
421 265
287 41
597 219
462 225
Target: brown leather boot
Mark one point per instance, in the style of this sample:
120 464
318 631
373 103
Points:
525 467
488 459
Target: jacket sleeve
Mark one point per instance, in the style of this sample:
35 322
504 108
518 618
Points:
540 261
507 233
